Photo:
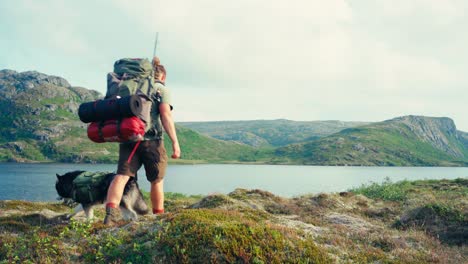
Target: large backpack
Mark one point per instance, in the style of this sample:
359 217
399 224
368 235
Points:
89 187
130 76
118 118
133 77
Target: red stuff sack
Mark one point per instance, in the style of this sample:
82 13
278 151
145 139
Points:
123 130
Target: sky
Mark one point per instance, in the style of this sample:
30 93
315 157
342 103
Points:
304 60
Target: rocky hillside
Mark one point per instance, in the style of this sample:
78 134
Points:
39 122
463 138
403 141
405 222
268 133
39 119
441 133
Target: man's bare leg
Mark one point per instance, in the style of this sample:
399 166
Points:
114 196
157 196
116 189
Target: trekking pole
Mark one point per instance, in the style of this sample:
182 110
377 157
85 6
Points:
155 43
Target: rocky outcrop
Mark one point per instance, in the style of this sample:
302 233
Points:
38 112
463 138
437 131
12 82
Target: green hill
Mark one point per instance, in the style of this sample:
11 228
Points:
270 133
403 141
39 122
200 147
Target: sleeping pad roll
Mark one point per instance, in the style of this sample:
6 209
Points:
108 109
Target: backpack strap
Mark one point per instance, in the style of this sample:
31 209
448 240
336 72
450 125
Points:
149 89
118 124
101 125
150 86
130 157
158 96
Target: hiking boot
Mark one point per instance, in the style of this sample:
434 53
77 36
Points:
111 216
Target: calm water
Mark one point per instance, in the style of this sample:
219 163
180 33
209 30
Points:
36 182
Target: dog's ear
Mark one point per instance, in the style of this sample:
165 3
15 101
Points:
58 176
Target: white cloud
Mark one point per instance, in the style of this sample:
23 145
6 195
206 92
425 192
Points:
319 54
335 59
51 23
436 11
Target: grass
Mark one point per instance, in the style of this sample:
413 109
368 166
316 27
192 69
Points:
387 190
405 222
437 207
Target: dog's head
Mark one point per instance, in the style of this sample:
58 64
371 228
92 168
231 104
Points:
64 183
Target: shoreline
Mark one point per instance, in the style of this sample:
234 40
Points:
205 162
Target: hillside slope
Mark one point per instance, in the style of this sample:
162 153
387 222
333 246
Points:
276 133
39 122
403 141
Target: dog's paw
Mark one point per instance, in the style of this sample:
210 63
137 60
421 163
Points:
70 203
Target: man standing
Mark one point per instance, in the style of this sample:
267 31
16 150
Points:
150 152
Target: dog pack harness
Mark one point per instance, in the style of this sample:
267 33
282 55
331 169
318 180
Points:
87 186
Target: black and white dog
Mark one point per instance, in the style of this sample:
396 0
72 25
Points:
131 205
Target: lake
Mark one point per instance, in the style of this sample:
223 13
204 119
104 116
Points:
36 182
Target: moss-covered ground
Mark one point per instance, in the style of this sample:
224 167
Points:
404 222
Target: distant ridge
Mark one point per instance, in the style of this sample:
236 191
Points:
402 141
269 133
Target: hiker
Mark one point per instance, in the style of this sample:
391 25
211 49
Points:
150 152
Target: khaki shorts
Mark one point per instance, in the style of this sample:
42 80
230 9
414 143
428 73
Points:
151 154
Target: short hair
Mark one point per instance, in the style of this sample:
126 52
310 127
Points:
158 68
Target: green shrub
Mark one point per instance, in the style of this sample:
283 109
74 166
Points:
204 236
386 191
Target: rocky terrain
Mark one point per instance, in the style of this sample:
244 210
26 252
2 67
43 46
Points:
404 222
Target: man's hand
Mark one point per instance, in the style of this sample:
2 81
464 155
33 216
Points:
168 124
175 150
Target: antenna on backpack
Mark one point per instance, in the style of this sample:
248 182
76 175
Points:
155 44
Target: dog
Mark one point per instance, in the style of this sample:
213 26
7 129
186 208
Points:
131 205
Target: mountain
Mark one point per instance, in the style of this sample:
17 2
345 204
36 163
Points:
39 122
269 133
402 141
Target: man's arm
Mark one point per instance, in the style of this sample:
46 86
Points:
169 127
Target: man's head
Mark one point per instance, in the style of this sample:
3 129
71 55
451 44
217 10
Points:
159 70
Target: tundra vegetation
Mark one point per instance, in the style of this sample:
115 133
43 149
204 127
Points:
403 222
